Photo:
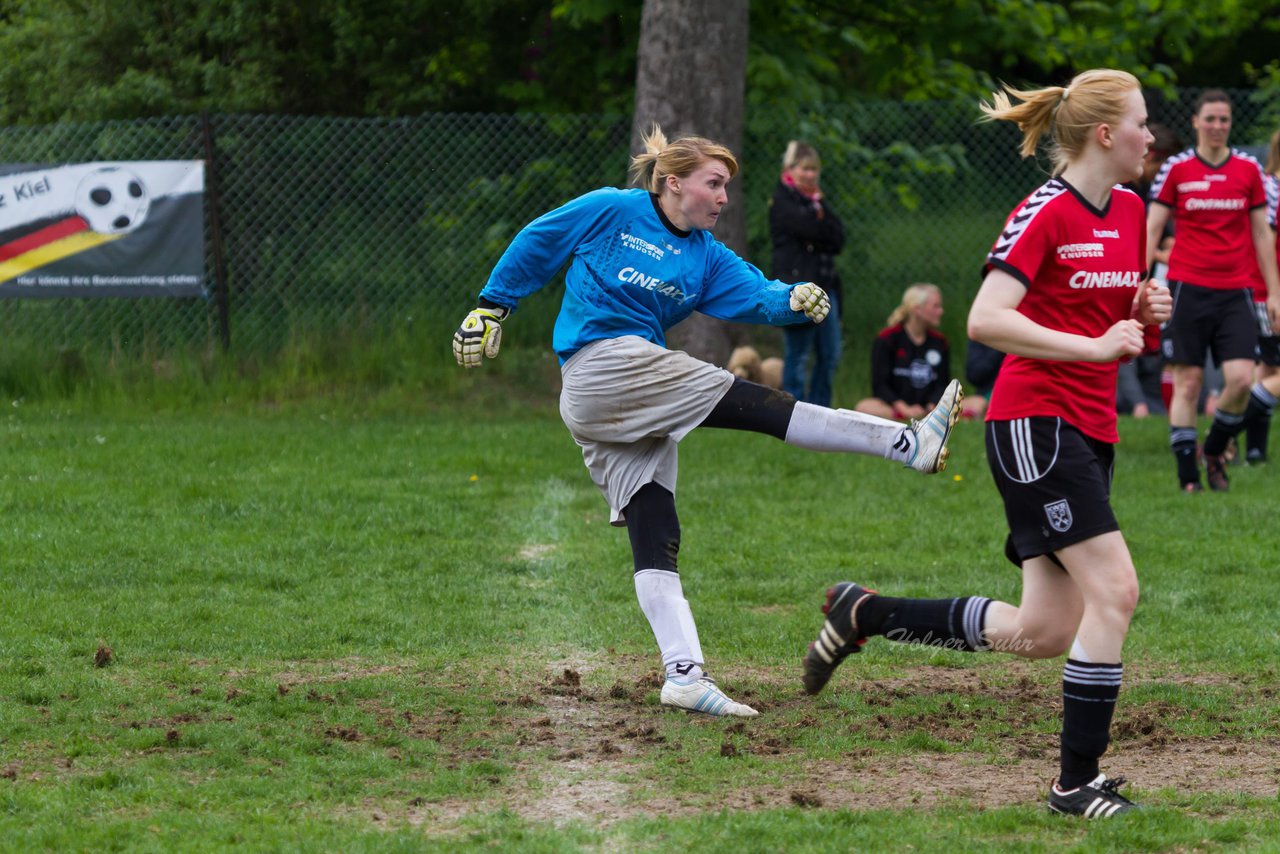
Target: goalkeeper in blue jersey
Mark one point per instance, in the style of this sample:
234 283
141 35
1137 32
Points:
640 261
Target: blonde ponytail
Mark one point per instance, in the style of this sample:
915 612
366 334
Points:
1065 114
680 158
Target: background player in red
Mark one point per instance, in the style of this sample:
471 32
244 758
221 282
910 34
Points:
1217 199
1063 295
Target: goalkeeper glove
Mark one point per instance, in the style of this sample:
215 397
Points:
480 333
812 300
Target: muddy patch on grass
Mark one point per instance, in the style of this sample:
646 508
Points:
597 755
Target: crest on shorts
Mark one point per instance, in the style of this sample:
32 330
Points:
1059 513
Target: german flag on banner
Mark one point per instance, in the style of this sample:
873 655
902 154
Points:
48 244
102 229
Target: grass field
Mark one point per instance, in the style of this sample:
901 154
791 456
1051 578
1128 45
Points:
381 625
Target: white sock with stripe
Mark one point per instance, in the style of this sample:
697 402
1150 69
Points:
662 600
817 428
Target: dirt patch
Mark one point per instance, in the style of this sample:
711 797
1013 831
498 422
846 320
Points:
585 754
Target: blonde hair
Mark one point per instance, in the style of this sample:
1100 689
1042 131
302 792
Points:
913 297
800 152
680 158
1273 155
1067 114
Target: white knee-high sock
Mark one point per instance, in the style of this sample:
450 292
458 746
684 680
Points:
817 428
662 600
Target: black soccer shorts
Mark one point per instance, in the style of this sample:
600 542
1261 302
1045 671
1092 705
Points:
1209 321
1055 482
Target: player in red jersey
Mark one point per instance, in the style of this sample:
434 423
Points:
1064 295
1218 201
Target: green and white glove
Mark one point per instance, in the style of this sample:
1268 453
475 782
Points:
480 333
812 300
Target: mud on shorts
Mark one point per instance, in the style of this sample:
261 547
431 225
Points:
628 403
1055 482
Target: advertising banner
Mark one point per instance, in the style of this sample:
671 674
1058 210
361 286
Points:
126 229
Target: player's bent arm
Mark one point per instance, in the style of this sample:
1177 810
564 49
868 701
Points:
737 291
1157 219
544 246
1264 247
994 320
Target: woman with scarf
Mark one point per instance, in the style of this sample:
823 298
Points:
807 235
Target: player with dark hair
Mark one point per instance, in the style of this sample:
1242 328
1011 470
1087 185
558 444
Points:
1063 296
640 261
1217 198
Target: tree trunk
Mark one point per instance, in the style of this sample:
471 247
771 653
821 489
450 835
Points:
690 79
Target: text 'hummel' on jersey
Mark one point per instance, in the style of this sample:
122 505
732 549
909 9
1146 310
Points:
632 276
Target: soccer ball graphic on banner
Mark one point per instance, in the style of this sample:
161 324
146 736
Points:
112 200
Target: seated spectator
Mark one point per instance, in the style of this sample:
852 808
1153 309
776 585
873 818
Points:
910 359
1138 381
1138 386
981 364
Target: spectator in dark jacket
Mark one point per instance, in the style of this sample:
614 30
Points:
807 235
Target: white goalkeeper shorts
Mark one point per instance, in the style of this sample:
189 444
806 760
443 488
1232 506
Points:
628 402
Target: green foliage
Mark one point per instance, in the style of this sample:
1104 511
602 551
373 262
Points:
85 60
928 50
92 60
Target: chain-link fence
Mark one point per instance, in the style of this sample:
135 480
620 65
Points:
372 227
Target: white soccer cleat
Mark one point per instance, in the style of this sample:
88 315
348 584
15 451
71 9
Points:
933 431
703 696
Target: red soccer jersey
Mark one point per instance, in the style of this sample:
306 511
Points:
1213 244
1082 267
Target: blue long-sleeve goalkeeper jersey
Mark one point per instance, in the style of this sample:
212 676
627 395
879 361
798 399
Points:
631 272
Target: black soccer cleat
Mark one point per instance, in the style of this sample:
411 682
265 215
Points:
1215 472
1098 799
839 636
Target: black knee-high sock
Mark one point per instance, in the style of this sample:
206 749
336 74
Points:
948 623
1089 694
1224 426
1182 440
1257 421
